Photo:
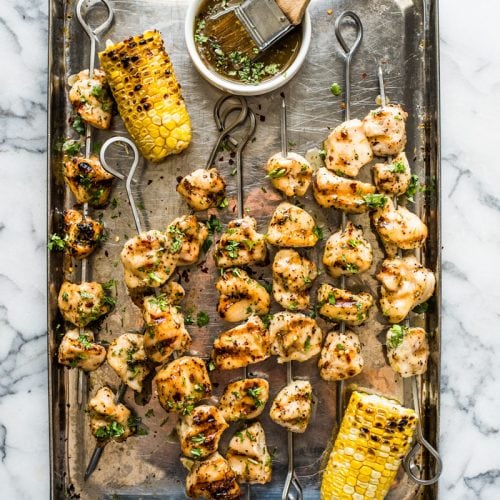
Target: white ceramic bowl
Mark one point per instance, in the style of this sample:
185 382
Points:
237 88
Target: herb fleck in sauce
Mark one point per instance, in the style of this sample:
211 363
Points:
235 65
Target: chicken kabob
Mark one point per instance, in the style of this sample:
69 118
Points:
405 282
247 460
294 336
149 259
243 299
347 252
84 303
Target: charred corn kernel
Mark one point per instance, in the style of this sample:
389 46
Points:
374 437
147 94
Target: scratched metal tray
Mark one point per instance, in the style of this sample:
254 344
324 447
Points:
403 34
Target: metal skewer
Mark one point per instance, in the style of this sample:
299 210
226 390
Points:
348 53
120 393
222 113
409 462
291 476
93 34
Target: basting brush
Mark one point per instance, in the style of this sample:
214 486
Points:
253 26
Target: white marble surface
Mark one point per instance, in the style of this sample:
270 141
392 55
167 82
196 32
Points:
470 81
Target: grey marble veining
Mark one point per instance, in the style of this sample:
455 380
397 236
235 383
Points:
470 79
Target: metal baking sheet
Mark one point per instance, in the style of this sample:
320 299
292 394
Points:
403 34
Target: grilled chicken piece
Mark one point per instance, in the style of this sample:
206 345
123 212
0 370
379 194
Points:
148 260
78 350
385 128
291 175
249 457
108 419
242 345
292 406
82 233
293 276
347 148
407 350
331 190
83 303
87 180
337 305
244 399
211 478
398 228
393 177
165 331
182 383
291 226
202 189
341 356
240 296
294 337
91 98
241 244
188 237
200 431
127 357
405 284
347 252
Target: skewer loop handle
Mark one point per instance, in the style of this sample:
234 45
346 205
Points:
93 33
119 175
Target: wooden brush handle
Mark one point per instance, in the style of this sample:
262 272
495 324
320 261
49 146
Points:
293 9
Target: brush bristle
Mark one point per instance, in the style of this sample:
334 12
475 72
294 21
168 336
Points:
231 35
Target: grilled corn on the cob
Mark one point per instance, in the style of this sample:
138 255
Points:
148 96
374 436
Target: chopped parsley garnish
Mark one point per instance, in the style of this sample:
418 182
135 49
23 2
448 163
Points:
307 344
335 89
340 347
198 439
112 430
276 173
154 277
421 308
396 336
160 301
353 243
375 200
224 203
71 147
318 231
196 452
236 394
254 393
56 242
413 188
178 239
109 284
78 125
352 268
109 300
331 298
85 295
83 339
96 91
322 153
232 248
398 167
202 319
213 224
